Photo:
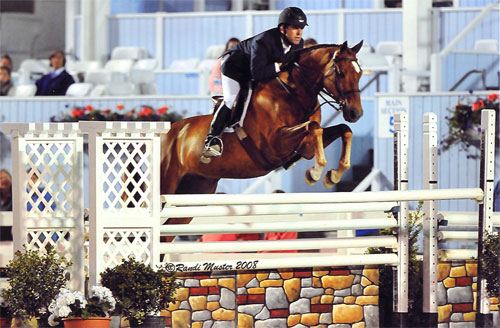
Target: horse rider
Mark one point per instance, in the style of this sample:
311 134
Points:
256 59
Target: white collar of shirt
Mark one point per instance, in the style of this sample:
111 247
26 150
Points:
57 72
285 47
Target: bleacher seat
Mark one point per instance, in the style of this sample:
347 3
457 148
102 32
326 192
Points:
486 46
31 70
119 65
121 89
24 90
98 77
146 64
390 48
79 89
79 68
184 64
98 90
132 53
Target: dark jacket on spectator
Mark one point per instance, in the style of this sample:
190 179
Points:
54 86
254 58
5 88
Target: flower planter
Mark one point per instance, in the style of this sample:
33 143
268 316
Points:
87 323
151 321
4 322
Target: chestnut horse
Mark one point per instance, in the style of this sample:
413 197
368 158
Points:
283 121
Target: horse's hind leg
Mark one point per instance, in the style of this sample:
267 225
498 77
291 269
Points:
330 134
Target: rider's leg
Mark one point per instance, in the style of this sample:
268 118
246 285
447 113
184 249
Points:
213 143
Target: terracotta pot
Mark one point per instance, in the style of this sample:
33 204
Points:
4 322
93 322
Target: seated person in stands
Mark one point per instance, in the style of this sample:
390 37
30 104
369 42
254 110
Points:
5 191
5 81
56 82
215 78
6 61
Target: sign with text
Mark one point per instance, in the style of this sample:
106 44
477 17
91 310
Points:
387 107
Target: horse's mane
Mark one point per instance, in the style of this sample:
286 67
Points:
316 46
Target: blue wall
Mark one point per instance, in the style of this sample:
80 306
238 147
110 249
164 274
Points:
323 4
455 65
453 22
133 31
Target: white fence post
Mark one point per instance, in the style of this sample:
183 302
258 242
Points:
124 192
487 176
430 177
47 164
401 184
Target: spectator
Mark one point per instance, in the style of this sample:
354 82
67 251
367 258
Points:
56 82
5 81
5 202
5 191
214 80
310 42
6 61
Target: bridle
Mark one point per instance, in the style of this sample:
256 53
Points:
339 101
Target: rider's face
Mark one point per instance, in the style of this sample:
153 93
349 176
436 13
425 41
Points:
293 34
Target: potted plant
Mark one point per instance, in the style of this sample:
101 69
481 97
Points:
464 122
140 292
76 311
34 280
5 314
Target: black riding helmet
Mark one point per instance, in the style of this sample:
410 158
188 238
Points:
293 16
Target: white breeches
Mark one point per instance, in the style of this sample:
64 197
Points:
230 88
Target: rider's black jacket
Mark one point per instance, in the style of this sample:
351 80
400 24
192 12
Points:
254 58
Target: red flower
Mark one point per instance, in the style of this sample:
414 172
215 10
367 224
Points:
89 108
76 112
146 111
162 110
106 111
120 107
492 97
477 105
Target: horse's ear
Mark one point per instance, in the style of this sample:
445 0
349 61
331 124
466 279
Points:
343 46
356 48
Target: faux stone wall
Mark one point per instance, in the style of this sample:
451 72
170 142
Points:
456 294
320 297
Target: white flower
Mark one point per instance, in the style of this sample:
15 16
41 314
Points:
52 320
64 311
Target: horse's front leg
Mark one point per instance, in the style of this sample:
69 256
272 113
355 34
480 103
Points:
310 145
330 134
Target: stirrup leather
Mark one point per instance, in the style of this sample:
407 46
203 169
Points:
213 147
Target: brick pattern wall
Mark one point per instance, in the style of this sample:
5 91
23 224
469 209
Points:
319 297
456 294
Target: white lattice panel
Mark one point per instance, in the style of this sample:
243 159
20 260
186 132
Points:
50 188
125 192
122 243
127 175
47 162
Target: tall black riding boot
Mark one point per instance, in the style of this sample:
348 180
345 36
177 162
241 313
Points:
213 142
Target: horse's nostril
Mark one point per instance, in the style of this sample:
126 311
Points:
354 115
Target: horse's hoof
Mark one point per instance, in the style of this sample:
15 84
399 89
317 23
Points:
205 160
309 178
331 178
